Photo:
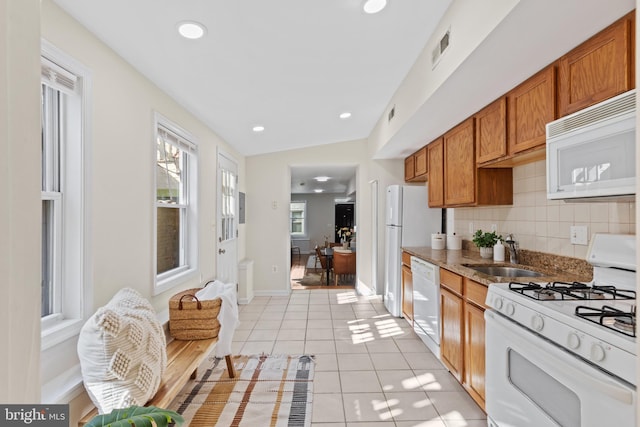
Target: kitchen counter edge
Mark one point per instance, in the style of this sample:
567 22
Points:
453 260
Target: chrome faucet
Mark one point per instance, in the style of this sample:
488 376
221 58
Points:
513 249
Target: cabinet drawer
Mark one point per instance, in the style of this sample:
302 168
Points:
451 281
476 293
406 259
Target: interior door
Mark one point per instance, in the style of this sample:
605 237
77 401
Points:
227 220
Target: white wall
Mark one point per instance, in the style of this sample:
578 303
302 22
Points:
268 181
20 208
543 225
320 217
470 23
122 190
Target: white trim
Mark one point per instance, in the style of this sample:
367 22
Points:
55 337
272 293
187 144
63 388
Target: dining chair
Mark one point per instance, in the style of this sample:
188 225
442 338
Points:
323 263
344 264
295 249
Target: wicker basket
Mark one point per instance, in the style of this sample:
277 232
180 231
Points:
192 319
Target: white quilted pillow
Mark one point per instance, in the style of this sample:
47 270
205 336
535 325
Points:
122 352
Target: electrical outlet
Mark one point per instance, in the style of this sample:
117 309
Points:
470 227
579 234
494 227
274 204
274 268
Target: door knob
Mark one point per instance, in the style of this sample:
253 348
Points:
221 251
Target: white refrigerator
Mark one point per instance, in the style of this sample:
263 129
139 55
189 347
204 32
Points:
409 222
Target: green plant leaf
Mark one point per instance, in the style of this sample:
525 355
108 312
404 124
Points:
138 416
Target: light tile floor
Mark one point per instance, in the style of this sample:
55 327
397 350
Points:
371 368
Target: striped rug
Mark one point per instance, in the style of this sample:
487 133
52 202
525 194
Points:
268 390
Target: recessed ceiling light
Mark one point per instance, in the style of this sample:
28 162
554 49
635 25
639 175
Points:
322 178
374 6
191 29
318 190
258 128
345 115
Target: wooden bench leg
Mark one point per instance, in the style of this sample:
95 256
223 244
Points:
194 374
230 368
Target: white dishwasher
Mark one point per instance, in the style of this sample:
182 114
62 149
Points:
426 303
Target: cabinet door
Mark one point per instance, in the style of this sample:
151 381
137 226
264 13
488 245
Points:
451 332
407 293
491 131
409 168
531 106
459 165
474 352
435 153
474 340
421 164
598 69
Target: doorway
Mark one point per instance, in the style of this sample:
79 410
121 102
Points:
324 197
344 216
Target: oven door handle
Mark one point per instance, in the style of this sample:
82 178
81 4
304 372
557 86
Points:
566 370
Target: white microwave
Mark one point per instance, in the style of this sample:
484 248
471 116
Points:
591 154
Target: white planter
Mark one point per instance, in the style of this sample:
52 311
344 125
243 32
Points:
486 252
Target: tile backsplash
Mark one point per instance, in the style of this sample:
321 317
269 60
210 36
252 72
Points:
543 225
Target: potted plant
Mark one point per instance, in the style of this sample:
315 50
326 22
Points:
485 241
137 415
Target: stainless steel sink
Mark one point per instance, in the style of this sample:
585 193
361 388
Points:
504 271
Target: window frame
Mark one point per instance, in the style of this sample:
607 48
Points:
188 205
303 233
71 225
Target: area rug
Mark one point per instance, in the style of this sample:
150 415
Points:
268 390
311 278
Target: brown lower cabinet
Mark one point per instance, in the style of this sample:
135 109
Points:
407 287
462 331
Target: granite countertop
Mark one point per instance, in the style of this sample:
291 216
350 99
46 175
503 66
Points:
554 268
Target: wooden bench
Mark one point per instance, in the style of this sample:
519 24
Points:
183 359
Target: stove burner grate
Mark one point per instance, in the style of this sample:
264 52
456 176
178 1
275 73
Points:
611 318
570 291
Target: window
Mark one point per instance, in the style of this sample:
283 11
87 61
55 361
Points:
298 215
176 220
65 282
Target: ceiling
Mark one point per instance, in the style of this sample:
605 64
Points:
303 179
293 66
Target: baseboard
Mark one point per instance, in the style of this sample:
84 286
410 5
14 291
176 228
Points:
245 301
362 289
272 293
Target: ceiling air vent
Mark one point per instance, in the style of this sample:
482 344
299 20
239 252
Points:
441 46
392 113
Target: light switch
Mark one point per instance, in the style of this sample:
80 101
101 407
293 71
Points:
579 234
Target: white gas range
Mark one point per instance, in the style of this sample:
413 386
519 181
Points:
564 354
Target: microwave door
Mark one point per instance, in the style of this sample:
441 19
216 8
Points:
592 164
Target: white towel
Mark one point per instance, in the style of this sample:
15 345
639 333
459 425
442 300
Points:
228 315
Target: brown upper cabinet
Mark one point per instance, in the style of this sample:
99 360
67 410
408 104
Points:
531 106
435 153
491 131
409 168
524 112
464 184
415 166
459 164
598 69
